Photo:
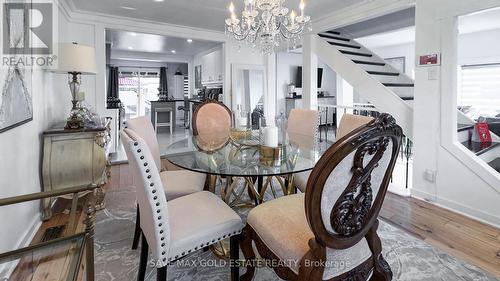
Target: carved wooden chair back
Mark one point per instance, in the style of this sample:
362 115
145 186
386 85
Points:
347 187
211 118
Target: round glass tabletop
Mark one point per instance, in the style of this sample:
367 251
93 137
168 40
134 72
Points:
244 157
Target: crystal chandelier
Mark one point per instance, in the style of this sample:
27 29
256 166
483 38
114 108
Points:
267 24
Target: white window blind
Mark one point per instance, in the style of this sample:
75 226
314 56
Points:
479 89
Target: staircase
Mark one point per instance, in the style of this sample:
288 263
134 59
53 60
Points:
383 85
388 89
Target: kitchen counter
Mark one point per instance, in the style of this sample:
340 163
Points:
298 97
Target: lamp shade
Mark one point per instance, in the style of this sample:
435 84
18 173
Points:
74 57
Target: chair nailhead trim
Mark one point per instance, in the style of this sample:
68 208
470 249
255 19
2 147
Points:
139 150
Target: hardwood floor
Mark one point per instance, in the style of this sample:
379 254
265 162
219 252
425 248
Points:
459 236
51 265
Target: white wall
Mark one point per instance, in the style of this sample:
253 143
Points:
463 183
403 50
473 48
21 156
286 66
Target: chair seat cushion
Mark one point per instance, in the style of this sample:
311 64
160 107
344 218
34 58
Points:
300 180
199 220
181 183
282 225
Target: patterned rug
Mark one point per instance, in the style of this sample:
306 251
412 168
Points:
410 258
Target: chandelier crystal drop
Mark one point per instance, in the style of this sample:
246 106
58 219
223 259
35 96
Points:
267 24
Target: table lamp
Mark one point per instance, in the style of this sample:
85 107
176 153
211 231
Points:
76 59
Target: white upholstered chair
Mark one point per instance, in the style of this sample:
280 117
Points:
187 182
330 232
348 123
174 229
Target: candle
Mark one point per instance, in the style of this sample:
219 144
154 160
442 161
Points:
80 96
292 17
302 6
270 136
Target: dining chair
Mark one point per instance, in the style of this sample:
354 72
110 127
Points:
347 124
173 229
211 117
188 182
302 128
330 232
211 123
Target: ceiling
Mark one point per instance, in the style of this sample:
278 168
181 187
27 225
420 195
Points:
150 43
403 33
206 14
393 21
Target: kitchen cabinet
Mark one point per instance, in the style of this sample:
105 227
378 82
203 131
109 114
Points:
211 68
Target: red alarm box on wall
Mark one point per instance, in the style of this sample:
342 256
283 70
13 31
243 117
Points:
481 133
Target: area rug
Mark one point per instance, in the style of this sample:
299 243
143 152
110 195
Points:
410 258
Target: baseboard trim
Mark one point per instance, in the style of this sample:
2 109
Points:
8 268
457 208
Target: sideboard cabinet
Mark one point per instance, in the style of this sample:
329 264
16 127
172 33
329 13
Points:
74 158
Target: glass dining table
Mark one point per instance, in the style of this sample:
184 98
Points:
239 156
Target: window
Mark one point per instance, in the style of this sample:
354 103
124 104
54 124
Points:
137 90
479 90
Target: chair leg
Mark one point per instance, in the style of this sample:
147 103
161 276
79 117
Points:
234 251
247 249
137 232
382 270
172 122
143 259
161 274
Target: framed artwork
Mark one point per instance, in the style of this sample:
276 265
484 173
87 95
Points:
399 63
16 104
197 77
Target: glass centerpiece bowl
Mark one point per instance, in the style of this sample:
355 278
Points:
241 129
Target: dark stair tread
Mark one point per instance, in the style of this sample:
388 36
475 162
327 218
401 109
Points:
333 32
383 73
369 62
334 37
399 84
344 45
407 98
356 53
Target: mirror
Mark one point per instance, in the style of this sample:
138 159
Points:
248 88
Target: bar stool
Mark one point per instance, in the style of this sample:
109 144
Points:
170 122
